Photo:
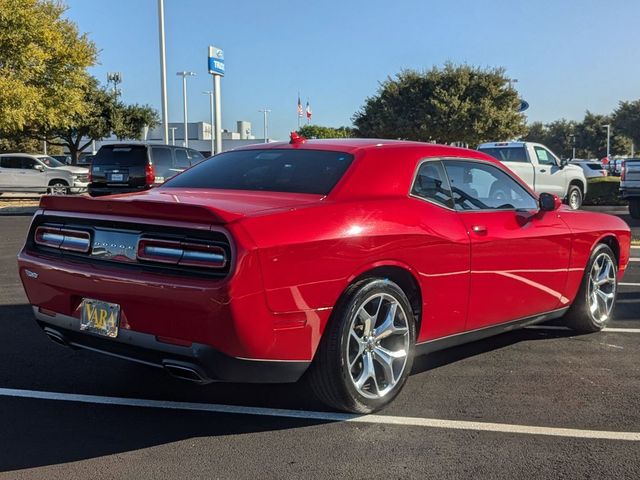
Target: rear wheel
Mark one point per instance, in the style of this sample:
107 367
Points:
593 307
574 197
634 207
366 352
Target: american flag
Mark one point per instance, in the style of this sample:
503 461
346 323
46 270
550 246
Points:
299 106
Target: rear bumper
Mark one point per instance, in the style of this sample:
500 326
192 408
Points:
198 362
627 192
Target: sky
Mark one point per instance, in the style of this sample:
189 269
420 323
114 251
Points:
568 56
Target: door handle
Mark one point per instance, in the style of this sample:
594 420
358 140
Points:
479 229
543 170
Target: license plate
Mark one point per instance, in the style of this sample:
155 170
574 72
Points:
117 177
101 318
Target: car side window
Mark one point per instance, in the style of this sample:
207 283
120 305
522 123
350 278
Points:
481 186
28 163
545 157
162 160
196 156
10 162
431 184
182 159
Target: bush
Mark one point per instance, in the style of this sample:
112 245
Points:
604 191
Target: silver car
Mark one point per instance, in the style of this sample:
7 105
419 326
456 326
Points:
22 172
590 168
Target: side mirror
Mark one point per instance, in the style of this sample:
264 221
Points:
549 202
564 162
38 167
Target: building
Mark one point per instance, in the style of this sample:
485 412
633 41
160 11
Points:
199 134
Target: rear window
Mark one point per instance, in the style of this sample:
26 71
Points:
122 156
507 154
594 166
293 171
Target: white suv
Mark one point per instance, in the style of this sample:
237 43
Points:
21 172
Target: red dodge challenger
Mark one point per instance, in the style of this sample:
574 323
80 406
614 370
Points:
336 260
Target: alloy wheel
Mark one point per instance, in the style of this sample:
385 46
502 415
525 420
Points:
378 346
58 189
602 288
574 200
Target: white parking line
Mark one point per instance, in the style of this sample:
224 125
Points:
560 327
634 259
324 416
627 284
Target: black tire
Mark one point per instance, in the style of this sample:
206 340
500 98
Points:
580 317
634 207
574 191
329 377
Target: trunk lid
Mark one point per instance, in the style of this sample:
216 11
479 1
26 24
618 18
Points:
194 205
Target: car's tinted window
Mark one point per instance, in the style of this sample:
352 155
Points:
123 156
182 160
196 156
10 162
595 166
161 158
507 154
480 186
28 163
295 171
431 184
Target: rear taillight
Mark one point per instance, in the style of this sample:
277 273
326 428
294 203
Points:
63 239
186 254
150 174
90 175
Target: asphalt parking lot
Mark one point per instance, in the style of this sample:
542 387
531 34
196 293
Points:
537 403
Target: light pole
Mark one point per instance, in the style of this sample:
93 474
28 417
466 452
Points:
173 135
211 93
265 112
608 127
573 146
184 76
163 74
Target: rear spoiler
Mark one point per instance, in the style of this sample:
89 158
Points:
133 207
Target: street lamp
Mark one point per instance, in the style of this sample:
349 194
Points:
265 111
163 74
573 146
173 135
608 127
184 76
211 93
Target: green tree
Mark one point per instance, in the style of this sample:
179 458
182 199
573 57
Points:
43 62
626 120
318 131
102 115
591 137
456 103
559 137
536 132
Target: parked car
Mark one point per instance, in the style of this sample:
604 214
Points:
541 169
630 185
22 172
133 167
333 259
590 168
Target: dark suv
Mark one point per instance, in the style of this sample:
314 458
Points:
132 167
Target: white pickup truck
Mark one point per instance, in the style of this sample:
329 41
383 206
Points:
540 169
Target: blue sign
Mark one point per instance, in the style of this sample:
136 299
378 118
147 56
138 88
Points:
523 105
216 61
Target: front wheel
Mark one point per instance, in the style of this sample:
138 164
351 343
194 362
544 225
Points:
593 307
58 187
574 197
366 352
634 207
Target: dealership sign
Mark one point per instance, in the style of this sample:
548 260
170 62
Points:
216 61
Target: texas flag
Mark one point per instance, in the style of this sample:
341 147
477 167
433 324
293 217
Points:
308 112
